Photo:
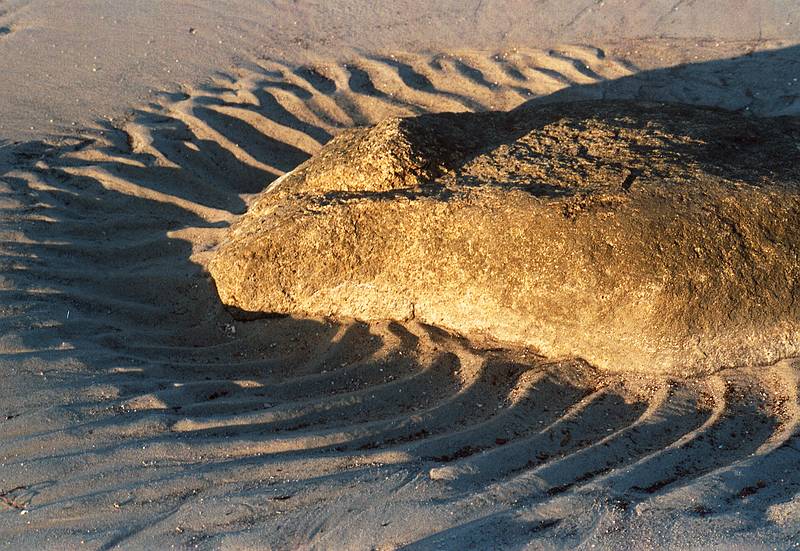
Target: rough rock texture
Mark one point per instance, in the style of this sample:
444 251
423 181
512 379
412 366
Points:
638 236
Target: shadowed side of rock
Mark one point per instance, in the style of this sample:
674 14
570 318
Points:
646 237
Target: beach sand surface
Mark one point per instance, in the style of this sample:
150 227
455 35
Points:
135 412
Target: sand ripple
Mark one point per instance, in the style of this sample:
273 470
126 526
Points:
157 418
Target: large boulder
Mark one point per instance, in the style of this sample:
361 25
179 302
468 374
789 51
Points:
638 236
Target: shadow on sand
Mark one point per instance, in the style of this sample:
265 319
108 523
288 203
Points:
99 270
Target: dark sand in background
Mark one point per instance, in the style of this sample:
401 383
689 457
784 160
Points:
134 412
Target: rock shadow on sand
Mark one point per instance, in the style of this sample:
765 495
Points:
106 240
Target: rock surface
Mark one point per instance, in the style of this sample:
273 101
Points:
638 236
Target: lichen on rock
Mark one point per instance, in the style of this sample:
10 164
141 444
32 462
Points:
638 236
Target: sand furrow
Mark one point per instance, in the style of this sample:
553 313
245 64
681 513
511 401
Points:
162 405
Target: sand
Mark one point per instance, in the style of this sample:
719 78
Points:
135 412
69 63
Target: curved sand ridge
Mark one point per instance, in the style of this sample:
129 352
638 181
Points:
155 419
637 236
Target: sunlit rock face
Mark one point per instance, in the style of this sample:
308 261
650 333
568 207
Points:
638 236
